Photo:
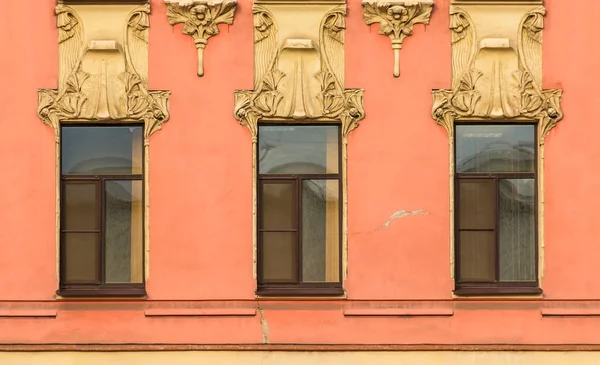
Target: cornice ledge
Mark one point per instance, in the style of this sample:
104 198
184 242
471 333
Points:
396 20
201 19
350 112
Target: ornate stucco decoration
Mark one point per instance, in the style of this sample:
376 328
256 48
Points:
103 69
497 67
396 20
299 74
201 19
497 76
103 76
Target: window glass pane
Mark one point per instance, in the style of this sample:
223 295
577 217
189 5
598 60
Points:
477 255
80 206
123 236
495 148
517 230
81 254
279 257
101 150
298 149
320 231
278 205
477 204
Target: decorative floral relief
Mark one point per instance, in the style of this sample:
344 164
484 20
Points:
69 102
201 19
396 20
271 82
269 98
524 89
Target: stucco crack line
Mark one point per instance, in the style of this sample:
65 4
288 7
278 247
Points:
264 326
401 214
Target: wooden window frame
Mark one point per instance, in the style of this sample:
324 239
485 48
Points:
497 287
99 288
299 288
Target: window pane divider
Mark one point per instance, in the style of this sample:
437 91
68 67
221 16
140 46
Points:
494 175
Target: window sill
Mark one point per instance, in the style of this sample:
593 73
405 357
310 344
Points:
102 293
300 292
497 290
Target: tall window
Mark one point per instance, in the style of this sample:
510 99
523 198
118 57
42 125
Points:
496 188
299 210
101 210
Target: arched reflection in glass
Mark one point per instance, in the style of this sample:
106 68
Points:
101 209
495 172
299 209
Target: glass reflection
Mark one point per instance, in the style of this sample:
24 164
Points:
498 148
101 150
320 231
298 149
517 229
123 237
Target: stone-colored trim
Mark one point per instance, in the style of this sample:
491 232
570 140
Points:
82 94
396 20
502 348
190 355
318 97
201 19
498 80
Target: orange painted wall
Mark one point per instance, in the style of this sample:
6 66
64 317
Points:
201 192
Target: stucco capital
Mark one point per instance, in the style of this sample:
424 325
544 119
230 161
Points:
396 20
200 20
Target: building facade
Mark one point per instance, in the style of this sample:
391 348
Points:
291 181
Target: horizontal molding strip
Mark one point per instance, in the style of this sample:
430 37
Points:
284 347
405 312
28 313
570 312
199 312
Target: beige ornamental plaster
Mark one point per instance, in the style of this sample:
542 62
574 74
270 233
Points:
461 357
299 78
103 78
396 20
497 77
200 20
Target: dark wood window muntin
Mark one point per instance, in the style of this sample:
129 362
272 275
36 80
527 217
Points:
298 288
495 287
98 288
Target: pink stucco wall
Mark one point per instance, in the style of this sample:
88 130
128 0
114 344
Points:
201 191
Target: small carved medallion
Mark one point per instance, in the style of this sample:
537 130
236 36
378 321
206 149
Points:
396 20
200 20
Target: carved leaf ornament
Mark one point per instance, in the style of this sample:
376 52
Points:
72 102
523 97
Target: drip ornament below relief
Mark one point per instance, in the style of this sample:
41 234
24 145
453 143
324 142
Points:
200 20
102 80
497 78
299 78
396 20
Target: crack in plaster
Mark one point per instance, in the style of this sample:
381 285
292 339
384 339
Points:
401 214
264 326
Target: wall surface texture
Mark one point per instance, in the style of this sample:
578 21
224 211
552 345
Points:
200 285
